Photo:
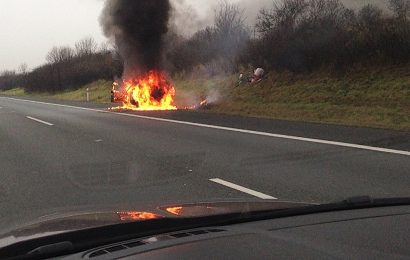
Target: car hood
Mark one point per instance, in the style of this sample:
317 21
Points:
73 220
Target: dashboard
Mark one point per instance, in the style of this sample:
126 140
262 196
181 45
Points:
376 233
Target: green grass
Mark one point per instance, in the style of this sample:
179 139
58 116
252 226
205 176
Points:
13 92
99 91
377 97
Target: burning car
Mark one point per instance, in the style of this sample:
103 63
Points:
117 96
148 92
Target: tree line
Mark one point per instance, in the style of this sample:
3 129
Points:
302 35
298 35
294 35
66 68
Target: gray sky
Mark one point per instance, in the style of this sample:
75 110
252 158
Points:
30 28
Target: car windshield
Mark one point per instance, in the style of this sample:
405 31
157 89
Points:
125 107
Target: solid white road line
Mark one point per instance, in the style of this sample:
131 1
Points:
243 189
40 121
288 137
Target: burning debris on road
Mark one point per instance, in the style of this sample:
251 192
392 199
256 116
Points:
207 101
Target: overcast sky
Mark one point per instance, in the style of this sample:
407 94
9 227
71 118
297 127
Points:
30 28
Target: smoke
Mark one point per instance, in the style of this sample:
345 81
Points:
213 96
210 95
252 9
183 14
189 16
137 28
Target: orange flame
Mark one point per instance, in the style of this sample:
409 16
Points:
150 92
136 216
175 210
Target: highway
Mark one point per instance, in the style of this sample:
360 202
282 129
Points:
71 154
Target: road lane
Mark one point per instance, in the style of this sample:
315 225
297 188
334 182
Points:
118 129
143 160
45 168
355 135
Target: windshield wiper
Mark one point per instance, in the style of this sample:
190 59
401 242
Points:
77 241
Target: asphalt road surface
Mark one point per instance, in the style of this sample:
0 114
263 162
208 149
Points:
70 154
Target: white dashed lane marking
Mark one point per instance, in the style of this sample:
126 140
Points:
243 189
39 121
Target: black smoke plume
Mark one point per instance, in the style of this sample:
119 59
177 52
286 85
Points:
137 28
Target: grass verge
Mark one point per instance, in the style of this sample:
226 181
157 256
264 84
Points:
376 97
99 91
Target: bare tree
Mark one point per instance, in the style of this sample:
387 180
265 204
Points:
104 47
85 47
23 68
320 11
229 18
7 73
230 33
400 7
8 80
56 57
282 15
370 16
60 54
52 55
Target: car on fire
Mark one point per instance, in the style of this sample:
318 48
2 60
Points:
117 96
150 91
